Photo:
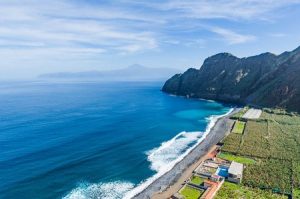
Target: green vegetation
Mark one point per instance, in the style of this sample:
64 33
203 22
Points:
255 140
270 174
273 136
296 174
238 127
296 193
231 190
190 193
276 136
197 180
239 114
232 143
273 142
240 159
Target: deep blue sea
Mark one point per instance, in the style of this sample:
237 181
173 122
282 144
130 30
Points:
93 140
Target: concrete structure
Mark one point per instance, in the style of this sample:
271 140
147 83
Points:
212 188
207 168
211 164
252 114
209 171
235 172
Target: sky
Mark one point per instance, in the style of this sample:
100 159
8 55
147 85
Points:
39 36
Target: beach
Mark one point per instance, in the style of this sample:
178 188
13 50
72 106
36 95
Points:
171 181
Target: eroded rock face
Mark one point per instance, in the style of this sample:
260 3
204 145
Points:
264 80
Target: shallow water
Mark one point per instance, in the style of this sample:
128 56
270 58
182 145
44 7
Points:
92 140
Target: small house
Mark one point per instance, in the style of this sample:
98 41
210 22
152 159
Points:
235 172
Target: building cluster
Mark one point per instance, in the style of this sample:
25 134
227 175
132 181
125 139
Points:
209 176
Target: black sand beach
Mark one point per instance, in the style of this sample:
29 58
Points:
217 133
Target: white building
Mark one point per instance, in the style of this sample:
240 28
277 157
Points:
235 172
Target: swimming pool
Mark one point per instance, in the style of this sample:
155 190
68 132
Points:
222 171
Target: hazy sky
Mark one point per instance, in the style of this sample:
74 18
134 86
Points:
38 36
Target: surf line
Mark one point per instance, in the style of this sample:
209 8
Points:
143 185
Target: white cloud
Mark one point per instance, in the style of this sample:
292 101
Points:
227 9
72 31
232 37
67 24
20 43
277 35
62 24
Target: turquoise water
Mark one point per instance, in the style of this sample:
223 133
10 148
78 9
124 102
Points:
223 171
92 140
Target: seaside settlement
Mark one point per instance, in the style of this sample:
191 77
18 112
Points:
245 163
210 175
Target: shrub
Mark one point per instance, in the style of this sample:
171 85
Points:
270 174
231 190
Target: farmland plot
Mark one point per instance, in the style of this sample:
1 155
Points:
269 174
274 142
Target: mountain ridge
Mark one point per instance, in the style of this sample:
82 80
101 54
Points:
132 72
266 80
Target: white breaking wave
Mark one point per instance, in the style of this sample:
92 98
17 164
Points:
169 151
110 190
162 159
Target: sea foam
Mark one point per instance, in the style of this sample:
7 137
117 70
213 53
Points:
169 151
162 159
165 157
110 190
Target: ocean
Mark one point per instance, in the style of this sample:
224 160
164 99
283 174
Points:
93 139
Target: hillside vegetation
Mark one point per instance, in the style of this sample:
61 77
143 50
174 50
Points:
231 190
266 80
273 142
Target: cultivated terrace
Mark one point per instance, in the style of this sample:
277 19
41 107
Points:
270 149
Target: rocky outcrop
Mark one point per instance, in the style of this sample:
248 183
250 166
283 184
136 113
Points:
265 80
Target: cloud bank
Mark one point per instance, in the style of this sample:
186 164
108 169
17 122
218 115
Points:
81 30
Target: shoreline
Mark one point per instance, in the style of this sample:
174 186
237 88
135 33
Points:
213 135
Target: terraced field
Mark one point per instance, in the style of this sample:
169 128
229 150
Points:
238 127
273 141
231 190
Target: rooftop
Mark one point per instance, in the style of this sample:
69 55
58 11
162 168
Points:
236 168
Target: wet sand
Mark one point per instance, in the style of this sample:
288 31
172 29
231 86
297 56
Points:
171 181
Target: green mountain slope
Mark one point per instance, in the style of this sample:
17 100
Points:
265 80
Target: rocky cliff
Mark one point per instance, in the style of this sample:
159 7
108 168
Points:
266 80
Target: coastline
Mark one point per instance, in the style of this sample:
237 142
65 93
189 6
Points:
216 130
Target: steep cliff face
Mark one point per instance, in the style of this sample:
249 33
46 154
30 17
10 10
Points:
280 88
265 80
